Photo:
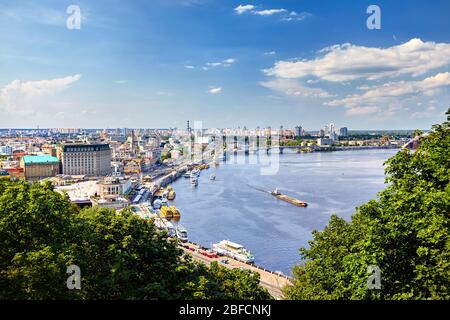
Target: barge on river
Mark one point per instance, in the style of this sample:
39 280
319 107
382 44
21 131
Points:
286 198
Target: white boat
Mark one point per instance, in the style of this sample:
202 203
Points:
181 234
195 173
212 177
157 204
194 181
171 230
233 250
187 174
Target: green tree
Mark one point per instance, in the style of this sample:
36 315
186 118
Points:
120 255
405 232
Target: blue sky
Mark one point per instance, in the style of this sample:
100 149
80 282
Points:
227 63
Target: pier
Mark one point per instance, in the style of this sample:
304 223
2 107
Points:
272 281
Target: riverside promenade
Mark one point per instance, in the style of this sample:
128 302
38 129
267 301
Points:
273 282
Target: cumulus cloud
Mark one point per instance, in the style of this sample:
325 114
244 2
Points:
215 90
240 9
347 62
428 86
21 98
294 88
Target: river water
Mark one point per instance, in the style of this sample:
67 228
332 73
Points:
234 206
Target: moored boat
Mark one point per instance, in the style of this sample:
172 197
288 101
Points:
170 193
169 212
187 174
233 250
181 233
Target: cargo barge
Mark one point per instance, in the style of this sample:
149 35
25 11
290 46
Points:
286 198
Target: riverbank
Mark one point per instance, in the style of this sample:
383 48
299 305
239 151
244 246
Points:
231 208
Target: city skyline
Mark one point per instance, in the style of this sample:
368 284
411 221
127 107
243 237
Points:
229 64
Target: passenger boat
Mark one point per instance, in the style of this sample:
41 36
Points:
169 212
181 233
170 193
286 198
233 250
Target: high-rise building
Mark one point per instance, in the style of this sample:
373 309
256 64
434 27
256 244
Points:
331 128
343 132
85 159
298 131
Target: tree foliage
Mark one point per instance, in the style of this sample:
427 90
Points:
405 232
120 255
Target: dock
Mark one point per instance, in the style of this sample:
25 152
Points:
272 281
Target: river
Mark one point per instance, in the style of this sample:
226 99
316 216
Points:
233 206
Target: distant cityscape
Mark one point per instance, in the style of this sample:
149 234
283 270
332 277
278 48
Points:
105 167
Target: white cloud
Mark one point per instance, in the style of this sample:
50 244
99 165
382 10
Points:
214 64
270 53
215 90
349 62
269 12
243 8
229 61
22 98
121 81
189 67
294 88
428 86
224 63
294 16
285 14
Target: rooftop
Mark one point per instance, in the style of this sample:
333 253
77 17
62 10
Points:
40 159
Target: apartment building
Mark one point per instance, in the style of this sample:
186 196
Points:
85 159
